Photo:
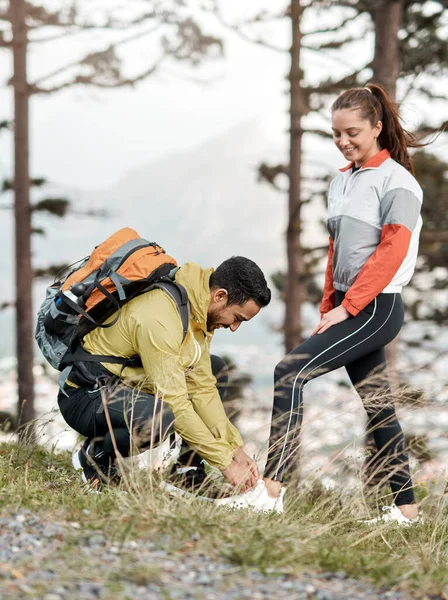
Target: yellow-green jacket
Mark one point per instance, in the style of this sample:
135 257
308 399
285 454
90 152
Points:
179 372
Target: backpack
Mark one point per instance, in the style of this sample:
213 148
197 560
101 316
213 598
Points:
121 268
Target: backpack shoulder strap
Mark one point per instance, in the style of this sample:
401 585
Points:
179 294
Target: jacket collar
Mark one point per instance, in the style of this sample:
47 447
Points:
196 281
373 163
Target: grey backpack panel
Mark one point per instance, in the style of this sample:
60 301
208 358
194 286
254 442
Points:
53 347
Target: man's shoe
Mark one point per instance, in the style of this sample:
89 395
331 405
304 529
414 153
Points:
191 478
93 472
190 482
257 500
393 515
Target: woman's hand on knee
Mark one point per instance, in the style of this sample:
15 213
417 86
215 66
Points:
337 315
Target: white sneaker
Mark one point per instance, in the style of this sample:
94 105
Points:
256 499
392 514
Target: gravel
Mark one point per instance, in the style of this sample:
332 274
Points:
33 565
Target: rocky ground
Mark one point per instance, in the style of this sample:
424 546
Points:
51 560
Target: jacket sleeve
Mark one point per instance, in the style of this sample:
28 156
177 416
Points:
327 302
207 403
400 210
157 337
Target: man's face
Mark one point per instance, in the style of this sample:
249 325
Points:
221 315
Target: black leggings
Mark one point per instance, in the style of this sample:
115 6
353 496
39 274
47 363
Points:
358 345
138 421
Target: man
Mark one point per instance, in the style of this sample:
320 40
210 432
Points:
133 407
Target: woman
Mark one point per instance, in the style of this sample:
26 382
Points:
374 223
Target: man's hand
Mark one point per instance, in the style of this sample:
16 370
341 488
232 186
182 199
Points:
337 315
243 459
242 471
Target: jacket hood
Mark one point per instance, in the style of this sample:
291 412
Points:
196 281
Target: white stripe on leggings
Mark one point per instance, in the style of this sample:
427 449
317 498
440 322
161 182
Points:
302 383
295 381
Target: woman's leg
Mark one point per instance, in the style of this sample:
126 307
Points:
368 375
371 329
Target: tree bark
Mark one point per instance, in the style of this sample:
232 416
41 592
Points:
387 18
295 288
23 269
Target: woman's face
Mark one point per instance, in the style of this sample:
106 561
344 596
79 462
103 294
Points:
354 136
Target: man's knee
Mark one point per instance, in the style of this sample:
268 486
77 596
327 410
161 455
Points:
151 429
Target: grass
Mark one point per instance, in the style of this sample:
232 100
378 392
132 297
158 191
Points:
318 531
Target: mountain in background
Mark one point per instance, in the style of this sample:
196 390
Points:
203 205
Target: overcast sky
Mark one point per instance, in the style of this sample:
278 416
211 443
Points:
87 138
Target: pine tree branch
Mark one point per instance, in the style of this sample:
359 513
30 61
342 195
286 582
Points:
332 87
359 5
429 94
261 42
90 80
55 206
320 132
50 271
56 37
5 305
237 28
342 24
190 44
89 58
269 174
336 44
110 24
262 17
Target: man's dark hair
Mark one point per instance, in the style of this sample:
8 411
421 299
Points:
243 280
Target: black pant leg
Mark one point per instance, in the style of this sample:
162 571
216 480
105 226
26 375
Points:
369 377
138 421
338 346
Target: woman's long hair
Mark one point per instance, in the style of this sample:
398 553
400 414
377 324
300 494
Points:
376 105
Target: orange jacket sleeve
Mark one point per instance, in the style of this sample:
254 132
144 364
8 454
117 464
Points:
327 302
380 268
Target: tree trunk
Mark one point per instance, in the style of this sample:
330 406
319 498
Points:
387 17
295 288
24 273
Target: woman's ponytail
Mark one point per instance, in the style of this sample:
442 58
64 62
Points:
393 137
